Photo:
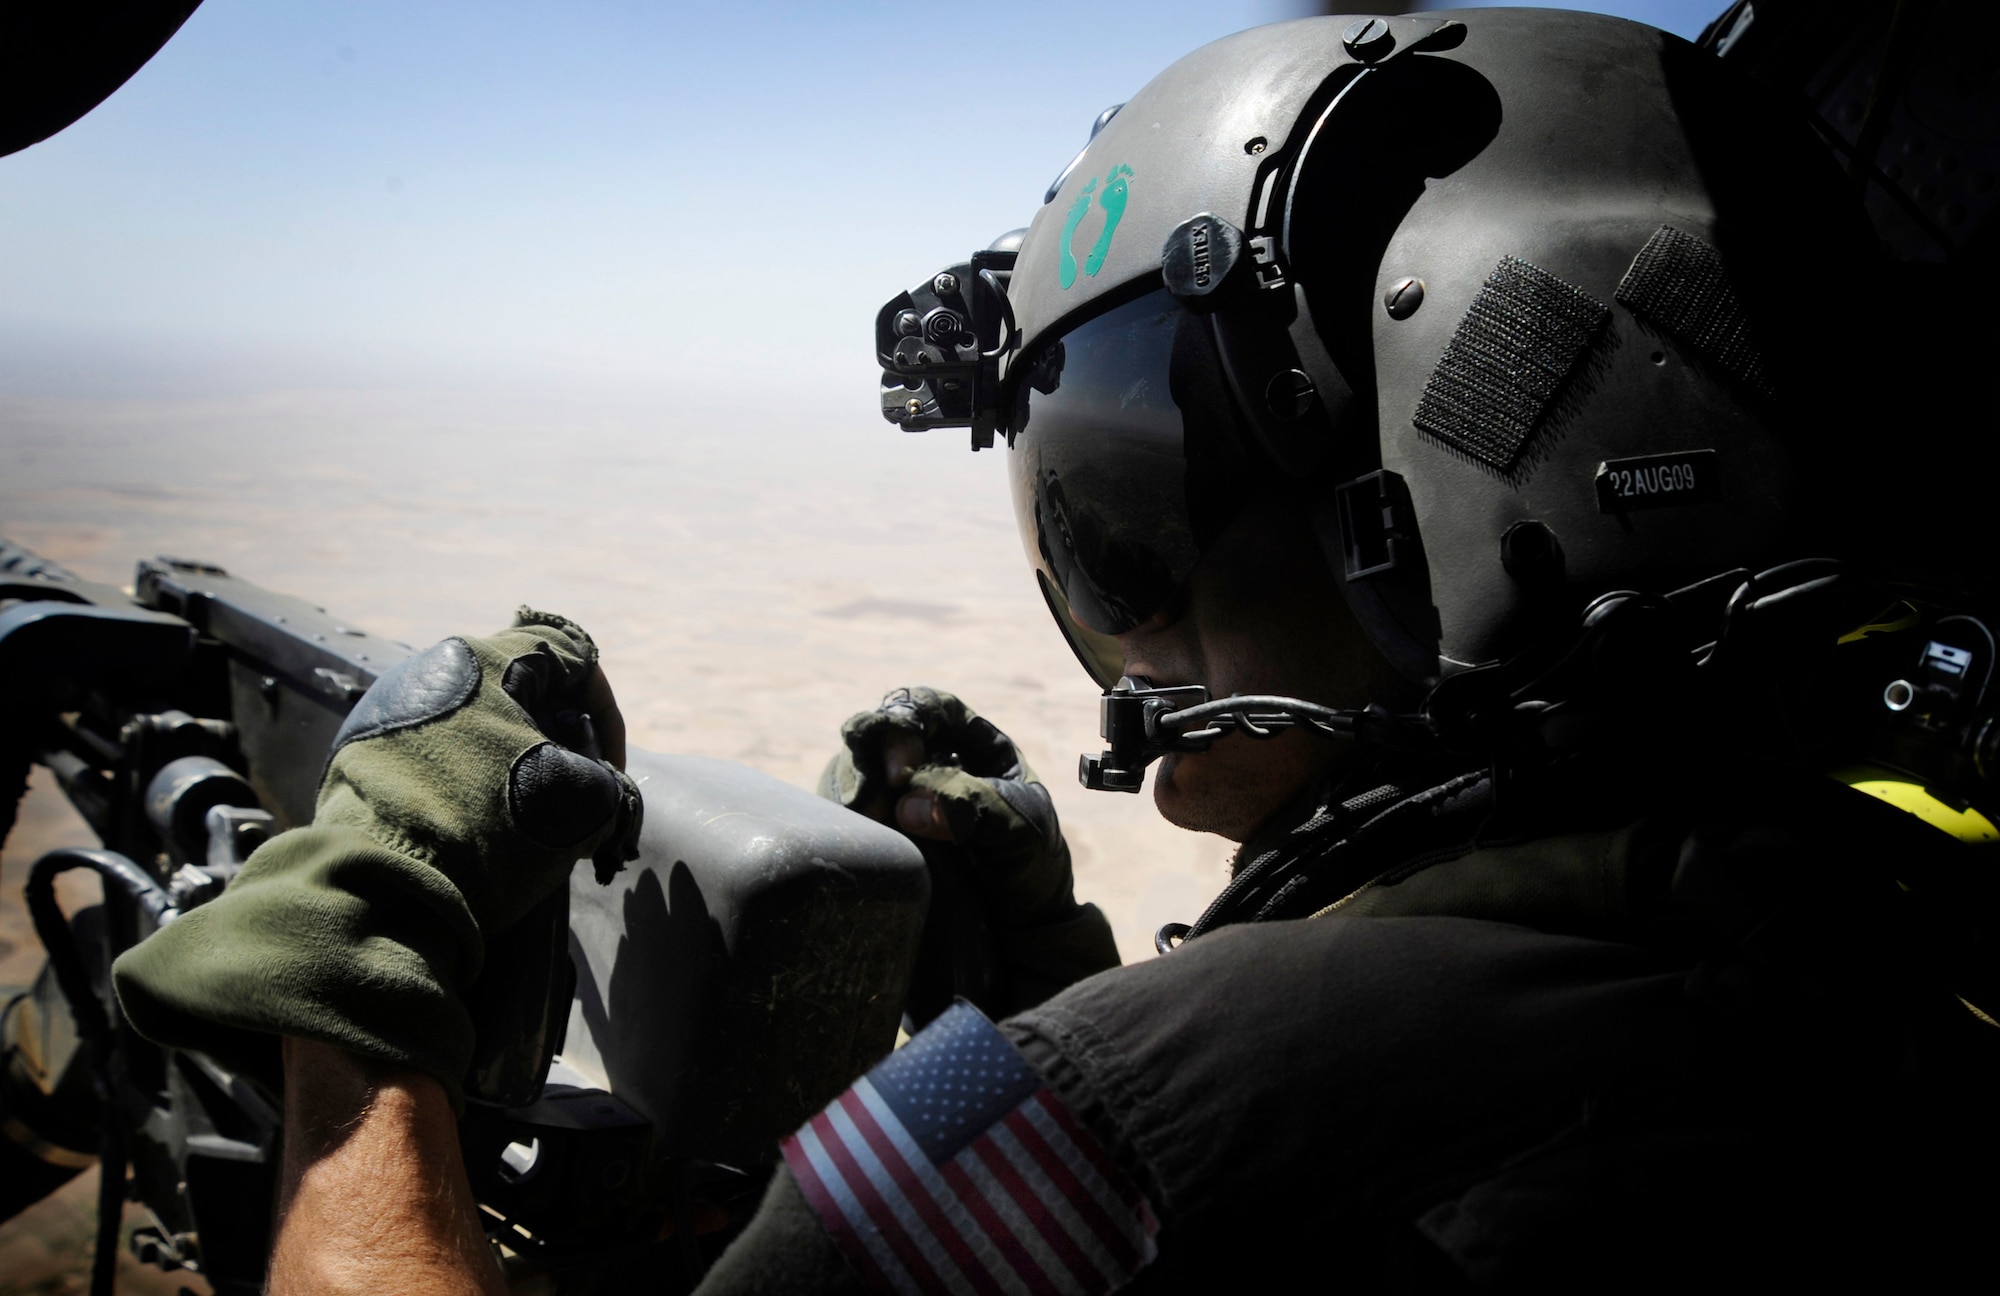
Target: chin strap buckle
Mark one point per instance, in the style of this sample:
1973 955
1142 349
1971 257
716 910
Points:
1128 718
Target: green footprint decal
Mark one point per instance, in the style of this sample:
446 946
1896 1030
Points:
1066 269
1112 200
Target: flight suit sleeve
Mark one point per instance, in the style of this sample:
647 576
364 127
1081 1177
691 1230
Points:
782 1252
1267 1096
1296 1093
951 1166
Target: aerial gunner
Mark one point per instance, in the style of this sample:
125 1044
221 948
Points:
1327 376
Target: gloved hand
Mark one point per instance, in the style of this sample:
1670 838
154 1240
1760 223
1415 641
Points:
445 814
1004 930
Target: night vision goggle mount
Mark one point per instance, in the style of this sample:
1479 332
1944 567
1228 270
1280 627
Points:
940 346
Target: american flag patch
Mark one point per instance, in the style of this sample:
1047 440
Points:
952 1167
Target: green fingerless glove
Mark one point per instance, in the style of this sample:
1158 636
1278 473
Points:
445 814
1005 928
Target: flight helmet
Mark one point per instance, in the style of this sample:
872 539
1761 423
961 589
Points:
1526 306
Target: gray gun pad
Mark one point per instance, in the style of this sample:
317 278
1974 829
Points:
749 965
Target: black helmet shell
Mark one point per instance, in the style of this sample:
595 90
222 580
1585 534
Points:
1576 301
1180 146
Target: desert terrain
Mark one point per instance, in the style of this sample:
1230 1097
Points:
753 579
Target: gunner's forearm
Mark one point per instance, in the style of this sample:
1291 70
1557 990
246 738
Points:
373 1193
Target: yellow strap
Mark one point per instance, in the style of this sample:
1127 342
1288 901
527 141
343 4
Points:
1897 616
1968 825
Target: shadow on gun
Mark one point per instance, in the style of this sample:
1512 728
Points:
630 1083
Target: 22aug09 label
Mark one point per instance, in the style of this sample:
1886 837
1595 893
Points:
1658 481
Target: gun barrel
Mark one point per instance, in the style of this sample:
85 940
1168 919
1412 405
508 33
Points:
25 574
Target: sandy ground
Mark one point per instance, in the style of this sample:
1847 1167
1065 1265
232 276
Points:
751 585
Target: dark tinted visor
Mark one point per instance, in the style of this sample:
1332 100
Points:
1127 461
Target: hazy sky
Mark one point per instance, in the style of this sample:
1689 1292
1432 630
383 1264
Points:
423 310
708 196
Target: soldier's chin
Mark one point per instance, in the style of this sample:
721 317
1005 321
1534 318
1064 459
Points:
1229 789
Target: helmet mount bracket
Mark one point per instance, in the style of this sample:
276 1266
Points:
940 345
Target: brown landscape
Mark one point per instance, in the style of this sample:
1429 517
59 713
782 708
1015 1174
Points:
751 581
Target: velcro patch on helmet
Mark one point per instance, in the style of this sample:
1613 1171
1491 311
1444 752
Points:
1524 334
1677 282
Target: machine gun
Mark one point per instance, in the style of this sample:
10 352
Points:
625 1096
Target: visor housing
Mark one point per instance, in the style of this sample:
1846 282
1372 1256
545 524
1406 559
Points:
1127 460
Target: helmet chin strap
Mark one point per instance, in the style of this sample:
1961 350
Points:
1631 665
1142 723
